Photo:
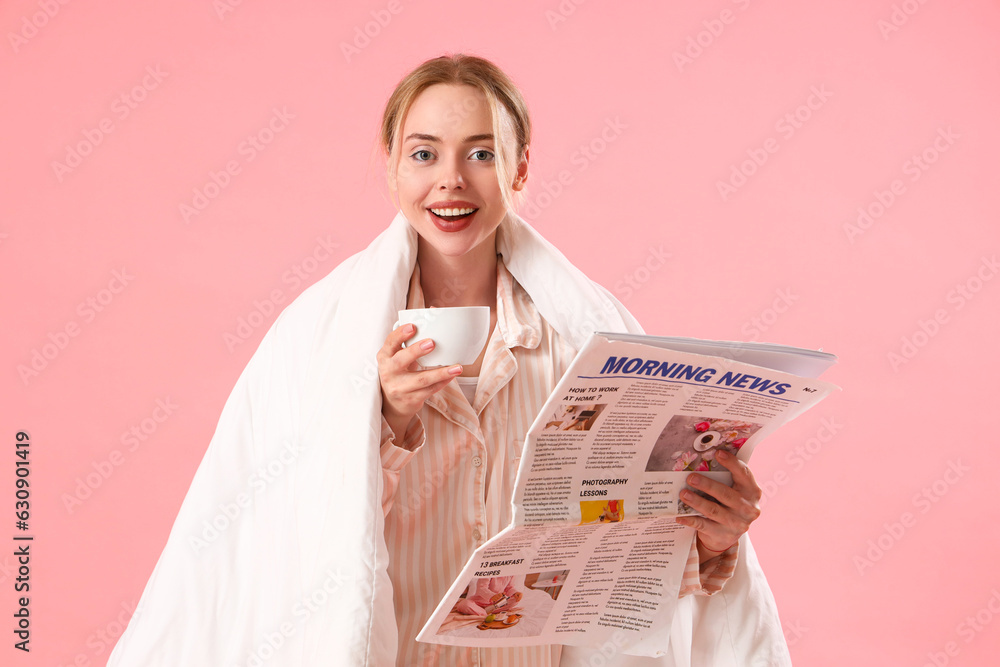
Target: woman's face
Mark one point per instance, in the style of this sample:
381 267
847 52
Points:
446 178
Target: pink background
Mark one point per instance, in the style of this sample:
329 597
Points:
866 569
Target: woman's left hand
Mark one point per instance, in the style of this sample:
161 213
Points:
724 522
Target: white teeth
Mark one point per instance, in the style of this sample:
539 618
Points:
452 211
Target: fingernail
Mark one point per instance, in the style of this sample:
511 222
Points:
426 345
694 480
455 370
722 455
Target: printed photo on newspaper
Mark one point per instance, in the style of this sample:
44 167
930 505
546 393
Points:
593 553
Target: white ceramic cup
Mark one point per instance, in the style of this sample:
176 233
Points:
458 333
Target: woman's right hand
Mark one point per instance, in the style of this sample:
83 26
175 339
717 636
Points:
405 386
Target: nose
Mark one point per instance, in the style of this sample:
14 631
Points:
451 176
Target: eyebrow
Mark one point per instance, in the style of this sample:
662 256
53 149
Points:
468 140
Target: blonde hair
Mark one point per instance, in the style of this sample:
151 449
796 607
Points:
511 124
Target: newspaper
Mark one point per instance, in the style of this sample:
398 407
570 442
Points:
594 553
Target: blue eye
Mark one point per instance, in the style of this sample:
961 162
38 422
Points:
422 155
483 155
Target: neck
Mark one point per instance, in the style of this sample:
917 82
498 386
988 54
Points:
468 280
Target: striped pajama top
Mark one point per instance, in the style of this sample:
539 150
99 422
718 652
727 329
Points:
448 485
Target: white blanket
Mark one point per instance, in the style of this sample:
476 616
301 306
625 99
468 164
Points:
277 555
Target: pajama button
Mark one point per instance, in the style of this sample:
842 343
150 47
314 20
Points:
476 535
476 461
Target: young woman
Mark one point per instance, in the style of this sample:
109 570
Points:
396 474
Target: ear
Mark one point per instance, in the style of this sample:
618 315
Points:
522 172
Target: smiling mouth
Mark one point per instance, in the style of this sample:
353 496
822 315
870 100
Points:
453 214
